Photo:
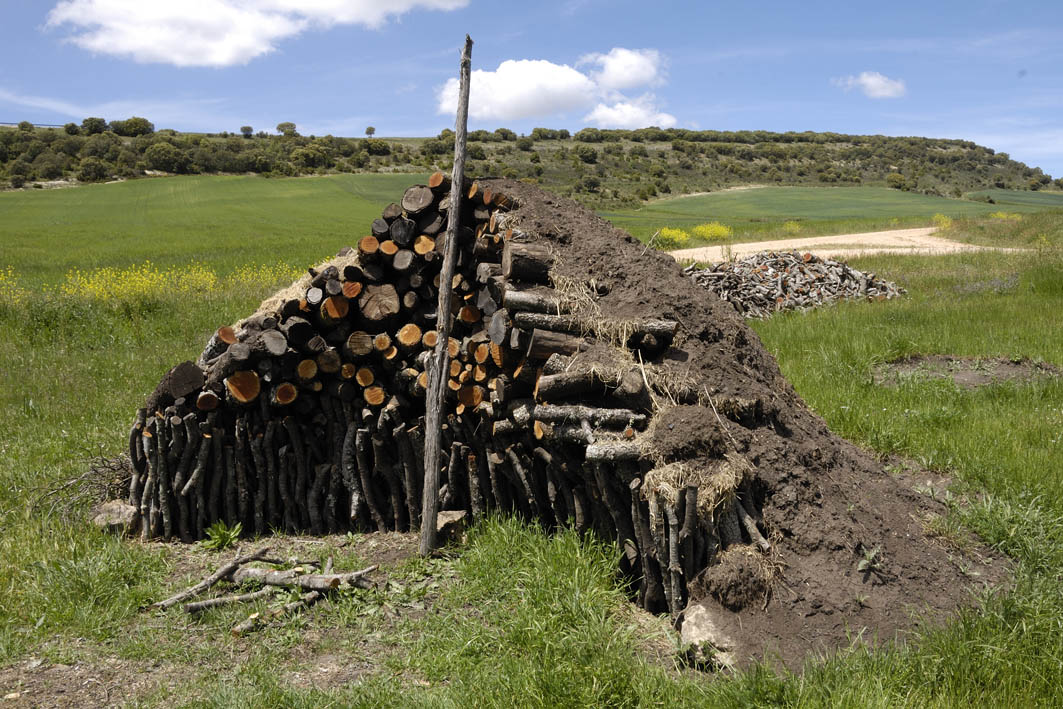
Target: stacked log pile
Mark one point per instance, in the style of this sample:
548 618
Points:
767 282
309 415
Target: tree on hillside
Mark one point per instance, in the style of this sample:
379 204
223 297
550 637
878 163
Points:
132 127
287 129
370 131
71 129
25 126
93 125
248 131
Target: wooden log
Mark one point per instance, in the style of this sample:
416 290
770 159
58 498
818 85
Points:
369 247
283 394
351 290
244 386
391 212
297 331
413 475
675 569
532 301
378 302
598 417
436 392
653 593
222 572
750 525
358 344
402 231
423 244
439 182
613 451
200 606
207 400
361 457
688 531
418 198
136 455
306 370
218 343
527 262
544 343
567 385
329 362
409 336
291 579
333 310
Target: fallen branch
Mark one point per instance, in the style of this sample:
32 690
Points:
214 578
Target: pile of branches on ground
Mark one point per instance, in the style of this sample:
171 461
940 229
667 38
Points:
770 281
312 583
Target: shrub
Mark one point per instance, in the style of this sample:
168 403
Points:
713 231
1008 216
93 170
941 221
672 238
587 154
525 144
896 181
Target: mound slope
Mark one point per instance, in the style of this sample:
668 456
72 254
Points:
595 385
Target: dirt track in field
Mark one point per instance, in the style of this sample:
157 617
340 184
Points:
894 241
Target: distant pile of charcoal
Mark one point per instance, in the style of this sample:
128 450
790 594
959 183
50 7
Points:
767 282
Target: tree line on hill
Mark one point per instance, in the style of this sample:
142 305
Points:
596 166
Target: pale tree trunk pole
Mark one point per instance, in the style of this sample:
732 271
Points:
438 365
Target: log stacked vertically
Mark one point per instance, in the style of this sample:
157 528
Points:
309 415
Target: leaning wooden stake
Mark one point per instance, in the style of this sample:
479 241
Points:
438 367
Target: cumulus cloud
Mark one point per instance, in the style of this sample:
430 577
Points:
521 89
214 32
532 88
873 84
634 113
622 68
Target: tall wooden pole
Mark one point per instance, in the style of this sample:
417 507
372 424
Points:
439 364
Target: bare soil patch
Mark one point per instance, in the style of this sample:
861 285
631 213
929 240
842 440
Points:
893 241
965 372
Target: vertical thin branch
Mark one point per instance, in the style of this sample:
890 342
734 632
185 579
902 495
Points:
438 366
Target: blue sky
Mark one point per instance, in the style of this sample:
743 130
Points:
983 70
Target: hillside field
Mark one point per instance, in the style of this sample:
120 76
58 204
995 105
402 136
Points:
758 212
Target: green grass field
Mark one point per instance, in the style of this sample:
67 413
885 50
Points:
222 221
518 618
760 212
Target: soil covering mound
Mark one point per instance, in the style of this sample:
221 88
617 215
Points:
591 384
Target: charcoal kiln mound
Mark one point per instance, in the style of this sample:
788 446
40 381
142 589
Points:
591 384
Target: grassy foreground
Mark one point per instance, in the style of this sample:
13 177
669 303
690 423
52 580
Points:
517 618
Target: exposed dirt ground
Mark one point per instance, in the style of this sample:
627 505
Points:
894 241
966 372
828 506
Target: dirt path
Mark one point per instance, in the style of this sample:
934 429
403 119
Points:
895 241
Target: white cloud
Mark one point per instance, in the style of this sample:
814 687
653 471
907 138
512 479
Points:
521 88
532 88
626 68
631 114
873 84
214 32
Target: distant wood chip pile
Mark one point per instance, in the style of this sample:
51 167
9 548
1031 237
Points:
767 282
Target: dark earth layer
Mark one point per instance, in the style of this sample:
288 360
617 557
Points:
827 505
